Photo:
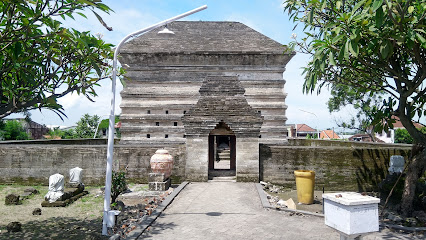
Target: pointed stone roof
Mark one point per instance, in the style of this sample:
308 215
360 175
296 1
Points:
222 100
204 37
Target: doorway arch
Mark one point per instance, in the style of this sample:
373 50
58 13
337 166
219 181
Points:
222 151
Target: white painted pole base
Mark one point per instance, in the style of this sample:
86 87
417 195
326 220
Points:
104 224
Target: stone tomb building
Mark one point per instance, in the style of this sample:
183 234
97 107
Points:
215 87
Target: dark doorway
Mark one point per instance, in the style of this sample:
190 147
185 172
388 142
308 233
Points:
222 151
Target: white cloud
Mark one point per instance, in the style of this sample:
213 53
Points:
76 106
299 104
69 101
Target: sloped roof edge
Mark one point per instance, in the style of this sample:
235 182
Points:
205 37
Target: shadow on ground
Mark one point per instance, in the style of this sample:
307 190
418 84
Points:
395 235
57 228
158 227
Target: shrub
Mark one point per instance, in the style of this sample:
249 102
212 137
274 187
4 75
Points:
13 130
118 183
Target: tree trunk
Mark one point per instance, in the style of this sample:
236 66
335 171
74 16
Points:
417 165
415 169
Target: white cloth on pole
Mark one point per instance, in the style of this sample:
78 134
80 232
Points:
76 175
56 188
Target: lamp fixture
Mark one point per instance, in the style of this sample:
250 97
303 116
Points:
166 31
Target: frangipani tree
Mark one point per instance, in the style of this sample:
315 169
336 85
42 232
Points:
370 49
42 61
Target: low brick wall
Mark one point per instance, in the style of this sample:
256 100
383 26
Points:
33 164
337 164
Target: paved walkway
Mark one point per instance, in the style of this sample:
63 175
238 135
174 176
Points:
224 210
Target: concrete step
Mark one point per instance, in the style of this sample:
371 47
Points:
224 179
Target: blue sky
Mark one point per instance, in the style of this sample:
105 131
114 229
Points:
266 16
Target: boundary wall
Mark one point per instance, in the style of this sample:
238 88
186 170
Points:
338 164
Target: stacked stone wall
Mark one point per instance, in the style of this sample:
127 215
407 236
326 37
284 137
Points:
338 165
165 74
33 164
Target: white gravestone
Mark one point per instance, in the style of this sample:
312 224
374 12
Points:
351 213
56 188
76 175
396 164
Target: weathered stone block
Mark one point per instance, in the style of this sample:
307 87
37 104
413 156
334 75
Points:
12 199
159 186
25 195
156 177
31 190
37 211
14 227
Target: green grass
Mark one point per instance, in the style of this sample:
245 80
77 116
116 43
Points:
141 188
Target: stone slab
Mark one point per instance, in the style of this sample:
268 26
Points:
159 186
156 177
65 202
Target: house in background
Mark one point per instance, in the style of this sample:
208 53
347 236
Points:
328 134
360 137
300 130
103 128
389 136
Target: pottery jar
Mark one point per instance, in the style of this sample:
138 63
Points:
162 162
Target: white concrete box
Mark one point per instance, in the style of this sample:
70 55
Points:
351 213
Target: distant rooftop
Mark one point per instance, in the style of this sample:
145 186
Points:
329 134
304 128
398 123
204 37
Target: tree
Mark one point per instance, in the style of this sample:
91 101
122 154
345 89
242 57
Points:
61 134
402 135
42 61
86 126
104 125
13 130
365 107
374 48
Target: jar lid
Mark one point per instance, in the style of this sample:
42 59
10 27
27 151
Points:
162 151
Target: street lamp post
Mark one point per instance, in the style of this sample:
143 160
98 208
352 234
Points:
110 150
318 134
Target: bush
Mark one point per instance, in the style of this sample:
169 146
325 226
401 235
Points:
402 135
118 183
13 130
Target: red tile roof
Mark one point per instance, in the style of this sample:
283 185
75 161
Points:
304 128
398 124
329 134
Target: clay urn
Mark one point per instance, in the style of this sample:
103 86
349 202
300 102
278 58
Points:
162 162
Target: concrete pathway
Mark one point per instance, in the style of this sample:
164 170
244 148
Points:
224 210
